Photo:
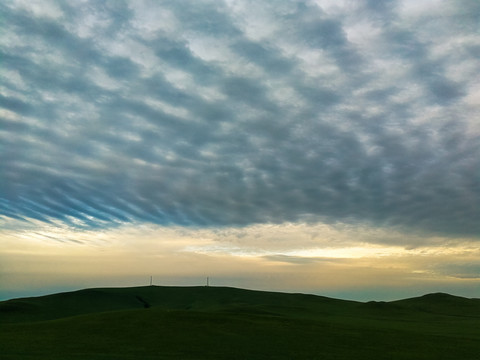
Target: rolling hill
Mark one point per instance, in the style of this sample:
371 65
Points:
228 323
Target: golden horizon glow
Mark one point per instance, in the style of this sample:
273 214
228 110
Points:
282 257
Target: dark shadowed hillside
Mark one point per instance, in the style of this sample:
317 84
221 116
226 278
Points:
228 323
199 298
440 303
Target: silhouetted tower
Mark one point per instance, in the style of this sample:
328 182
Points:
151 280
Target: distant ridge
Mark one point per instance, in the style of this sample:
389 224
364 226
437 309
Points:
156 322
201 298
443 303
438 298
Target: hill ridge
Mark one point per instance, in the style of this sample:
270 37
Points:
214 298
427 295
153 322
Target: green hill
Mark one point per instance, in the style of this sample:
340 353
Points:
228 323
201 298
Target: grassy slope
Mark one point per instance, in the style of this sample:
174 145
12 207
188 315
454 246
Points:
227 323
168 298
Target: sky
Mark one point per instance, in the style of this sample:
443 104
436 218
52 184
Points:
329 147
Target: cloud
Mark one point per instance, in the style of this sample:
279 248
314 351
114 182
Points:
229 114
299 260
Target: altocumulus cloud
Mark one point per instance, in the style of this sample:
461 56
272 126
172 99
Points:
234 113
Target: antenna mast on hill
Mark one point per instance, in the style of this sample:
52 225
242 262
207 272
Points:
208 281
151 280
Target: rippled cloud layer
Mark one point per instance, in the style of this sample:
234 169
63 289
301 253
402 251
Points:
236 113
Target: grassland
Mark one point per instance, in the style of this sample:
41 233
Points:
228 323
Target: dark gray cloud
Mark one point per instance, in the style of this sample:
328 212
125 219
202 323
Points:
458 269
184 115
301 260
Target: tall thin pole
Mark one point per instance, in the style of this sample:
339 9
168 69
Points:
151 280
208 281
